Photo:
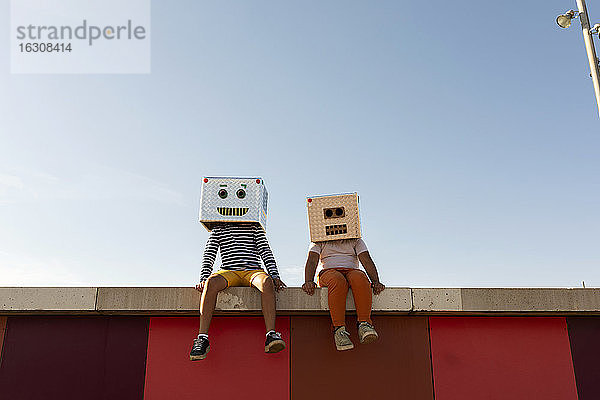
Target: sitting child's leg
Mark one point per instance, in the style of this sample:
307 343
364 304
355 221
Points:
214 284
337 291
361 291
363 300
264 283
273 341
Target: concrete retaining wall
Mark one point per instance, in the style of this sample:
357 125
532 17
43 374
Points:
177 301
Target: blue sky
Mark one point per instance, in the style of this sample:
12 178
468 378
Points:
470 132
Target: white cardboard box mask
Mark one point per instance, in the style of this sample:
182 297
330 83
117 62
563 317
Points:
233 200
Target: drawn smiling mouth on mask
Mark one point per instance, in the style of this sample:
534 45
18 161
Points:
230 211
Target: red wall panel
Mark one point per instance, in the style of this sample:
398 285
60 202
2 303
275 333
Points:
92 358
236 366
397 366
584 335
125 358
501 358
2 330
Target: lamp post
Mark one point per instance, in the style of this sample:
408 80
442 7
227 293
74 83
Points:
564 21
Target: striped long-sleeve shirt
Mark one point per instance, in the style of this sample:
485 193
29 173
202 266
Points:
240 245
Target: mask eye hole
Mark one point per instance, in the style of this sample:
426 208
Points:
241 193
223 193
338 212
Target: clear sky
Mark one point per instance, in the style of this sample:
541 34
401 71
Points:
469 130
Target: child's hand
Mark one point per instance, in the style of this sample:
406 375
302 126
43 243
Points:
377 287
309 287
278 283
200 287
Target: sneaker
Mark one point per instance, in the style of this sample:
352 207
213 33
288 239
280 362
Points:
367 333
342 339
200 349
274 343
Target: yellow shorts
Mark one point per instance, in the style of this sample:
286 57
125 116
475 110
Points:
240 278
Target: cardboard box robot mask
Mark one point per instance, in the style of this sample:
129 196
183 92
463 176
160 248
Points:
333 217
233 200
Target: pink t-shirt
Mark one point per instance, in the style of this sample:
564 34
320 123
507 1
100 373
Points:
339 253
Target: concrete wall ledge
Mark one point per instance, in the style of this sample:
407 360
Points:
184 301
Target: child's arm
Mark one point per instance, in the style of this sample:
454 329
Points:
309 273
210 254
262 245
369 265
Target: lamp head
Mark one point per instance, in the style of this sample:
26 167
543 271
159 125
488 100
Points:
564 20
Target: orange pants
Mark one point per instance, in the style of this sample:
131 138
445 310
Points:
337 280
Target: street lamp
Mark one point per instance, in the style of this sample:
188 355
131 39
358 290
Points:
564 21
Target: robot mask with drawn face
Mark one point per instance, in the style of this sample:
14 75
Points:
333 217
233 200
